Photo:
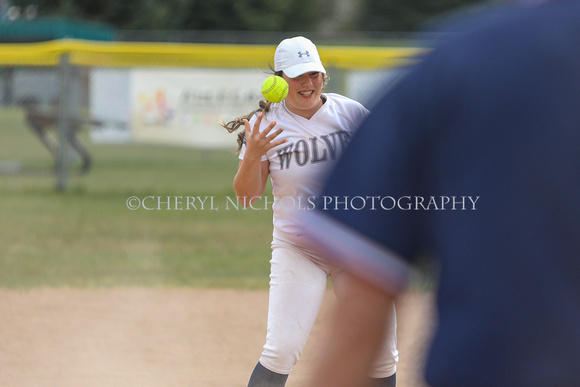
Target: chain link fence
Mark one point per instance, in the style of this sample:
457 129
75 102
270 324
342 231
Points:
66 93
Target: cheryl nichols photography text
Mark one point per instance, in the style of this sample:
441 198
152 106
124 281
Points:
304 203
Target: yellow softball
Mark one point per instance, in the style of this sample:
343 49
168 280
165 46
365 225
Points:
275 88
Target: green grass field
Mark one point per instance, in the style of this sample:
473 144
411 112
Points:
87 237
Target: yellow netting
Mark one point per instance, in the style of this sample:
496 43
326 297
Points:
121 54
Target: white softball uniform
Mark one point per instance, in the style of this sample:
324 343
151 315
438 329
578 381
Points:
298 276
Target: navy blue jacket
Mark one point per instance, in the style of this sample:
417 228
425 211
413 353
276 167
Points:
492 114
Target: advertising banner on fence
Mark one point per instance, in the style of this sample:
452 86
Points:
109 103
171 106
183 106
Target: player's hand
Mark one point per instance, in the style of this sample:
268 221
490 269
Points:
258 143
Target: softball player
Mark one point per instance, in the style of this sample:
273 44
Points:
295 142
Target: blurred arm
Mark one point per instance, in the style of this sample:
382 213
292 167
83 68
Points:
354 336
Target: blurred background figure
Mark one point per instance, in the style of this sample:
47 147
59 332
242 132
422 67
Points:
491 113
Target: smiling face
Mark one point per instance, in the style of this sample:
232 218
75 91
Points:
304 93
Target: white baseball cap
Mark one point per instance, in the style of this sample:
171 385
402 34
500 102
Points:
296 56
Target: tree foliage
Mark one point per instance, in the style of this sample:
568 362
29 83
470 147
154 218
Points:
405 15
246 15
243 15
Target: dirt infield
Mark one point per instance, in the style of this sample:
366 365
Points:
162 337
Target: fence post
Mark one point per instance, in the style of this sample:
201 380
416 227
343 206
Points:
64 77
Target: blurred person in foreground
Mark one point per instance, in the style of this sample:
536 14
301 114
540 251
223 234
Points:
492 113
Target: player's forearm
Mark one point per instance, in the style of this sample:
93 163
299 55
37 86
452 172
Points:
354 338
248 183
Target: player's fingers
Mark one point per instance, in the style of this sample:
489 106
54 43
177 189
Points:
257 124
274 144
268 128
275 134
247 126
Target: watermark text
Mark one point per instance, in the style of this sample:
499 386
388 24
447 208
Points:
303 203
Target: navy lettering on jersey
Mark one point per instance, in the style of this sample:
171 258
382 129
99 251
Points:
344 138
285 155
315 150
315 156
331 147
301 152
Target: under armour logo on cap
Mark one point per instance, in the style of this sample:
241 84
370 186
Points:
297 56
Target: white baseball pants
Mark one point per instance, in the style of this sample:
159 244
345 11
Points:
298 282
